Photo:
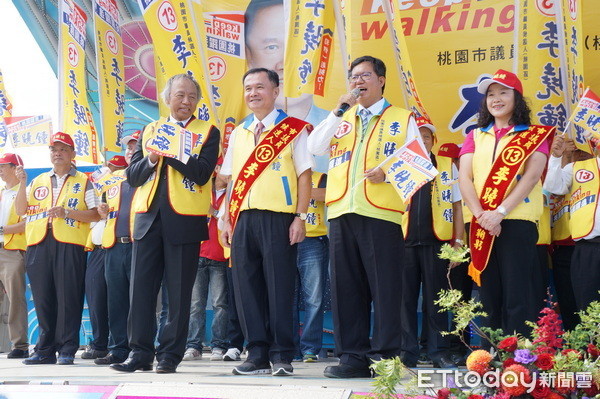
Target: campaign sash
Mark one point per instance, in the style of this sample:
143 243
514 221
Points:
269 148
502 175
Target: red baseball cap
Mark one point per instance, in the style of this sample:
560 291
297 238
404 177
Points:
11 158
62 138
118 161
133 136
504 78
449 150
423 121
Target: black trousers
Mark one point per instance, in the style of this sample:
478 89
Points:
561 270
366 270
56 273
422 265
97 300
585 273
264 275
153 257
234 330
511 283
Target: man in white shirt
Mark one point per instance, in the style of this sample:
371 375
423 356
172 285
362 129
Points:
581 180
272 216
365 215
12 251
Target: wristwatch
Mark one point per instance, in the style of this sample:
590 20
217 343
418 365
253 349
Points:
502 210
302 216
1 229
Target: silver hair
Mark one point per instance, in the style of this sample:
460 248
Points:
167 90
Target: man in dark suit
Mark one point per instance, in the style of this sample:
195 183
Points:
170 208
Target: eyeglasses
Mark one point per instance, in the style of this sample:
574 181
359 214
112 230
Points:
364 76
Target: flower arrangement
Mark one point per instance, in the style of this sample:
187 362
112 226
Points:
551 364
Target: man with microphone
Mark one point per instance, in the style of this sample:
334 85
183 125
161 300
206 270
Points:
365 213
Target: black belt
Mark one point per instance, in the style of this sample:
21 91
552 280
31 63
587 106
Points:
123 240
595 240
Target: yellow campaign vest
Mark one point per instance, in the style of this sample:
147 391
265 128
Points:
584 197
543 226
72 196
113 199
350 156
441 202
315 219
185 196
14 241
276 189
483 158
560 218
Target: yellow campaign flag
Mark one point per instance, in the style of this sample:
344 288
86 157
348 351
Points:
5 104
175 41
76 118
109 60
569 24
402 62
29 131
223 33
586 114
5 111
309 47
590 40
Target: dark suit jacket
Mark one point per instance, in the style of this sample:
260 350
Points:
179 229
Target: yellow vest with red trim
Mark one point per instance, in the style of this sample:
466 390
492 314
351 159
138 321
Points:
560 218
347 161
543 226
17 241
315 221
276 189
72 196
113 200
584 197
185 196
486 152
441 201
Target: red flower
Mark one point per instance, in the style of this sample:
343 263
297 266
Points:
478 361
443 393
549 332
554 395
544 361
512 379
508 362
508 344
592 391
475 397
593 350
540 392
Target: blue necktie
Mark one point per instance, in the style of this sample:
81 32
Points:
365 116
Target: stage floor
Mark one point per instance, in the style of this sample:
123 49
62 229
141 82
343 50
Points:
194 379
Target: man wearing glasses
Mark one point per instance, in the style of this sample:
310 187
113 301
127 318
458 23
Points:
365 213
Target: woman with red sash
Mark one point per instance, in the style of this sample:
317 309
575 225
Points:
501 163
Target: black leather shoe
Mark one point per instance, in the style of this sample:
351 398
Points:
109 359
166 366
130 365
90 353
18 354
458 359
443 363
346 371
36 358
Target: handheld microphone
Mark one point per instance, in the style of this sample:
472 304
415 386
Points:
345 106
